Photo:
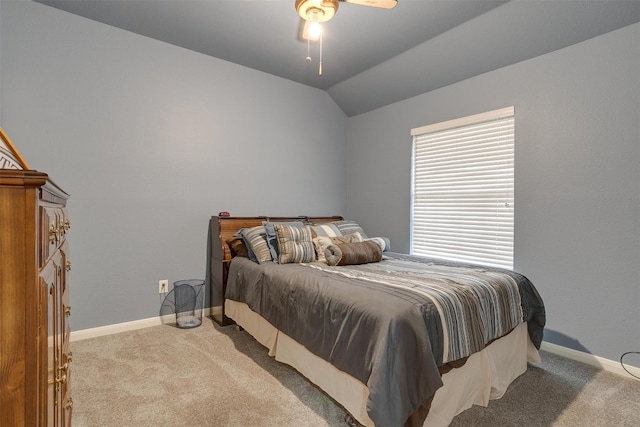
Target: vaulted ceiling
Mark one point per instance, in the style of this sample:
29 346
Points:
371 57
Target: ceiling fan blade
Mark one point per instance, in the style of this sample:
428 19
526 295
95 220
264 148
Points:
384 4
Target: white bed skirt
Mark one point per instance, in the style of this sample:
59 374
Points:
485 376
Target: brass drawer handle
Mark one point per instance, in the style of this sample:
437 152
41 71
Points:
70 357
67 224
54 234
68 266
67 311
64 367
62 379
69 404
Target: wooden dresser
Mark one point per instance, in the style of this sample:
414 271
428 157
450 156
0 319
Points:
34 301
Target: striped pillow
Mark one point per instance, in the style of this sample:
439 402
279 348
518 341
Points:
272 239
325 230
294 244
347 227
256 240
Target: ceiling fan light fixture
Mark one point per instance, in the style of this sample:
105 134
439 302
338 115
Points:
314 31
316 10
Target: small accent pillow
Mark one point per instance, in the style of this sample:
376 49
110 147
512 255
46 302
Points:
320 243
294 244
272 239
383 242
237 247
348 227
255 239
332 255
353 253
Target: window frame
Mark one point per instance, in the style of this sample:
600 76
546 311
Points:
453 244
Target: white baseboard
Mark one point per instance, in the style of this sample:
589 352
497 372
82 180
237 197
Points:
589 359
579 356
128 326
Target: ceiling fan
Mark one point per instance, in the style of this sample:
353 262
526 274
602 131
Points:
323 10
316 11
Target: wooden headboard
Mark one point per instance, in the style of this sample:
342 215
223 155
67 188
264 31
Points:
223 228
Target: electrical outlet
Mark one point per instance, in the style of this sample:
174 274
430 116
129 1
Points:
163 286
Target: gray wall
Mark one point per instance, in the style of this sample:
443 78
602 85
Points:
577 183
151 140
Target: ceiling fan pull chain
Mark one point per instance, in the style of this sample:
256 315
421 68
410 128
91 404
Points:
308 58
320 63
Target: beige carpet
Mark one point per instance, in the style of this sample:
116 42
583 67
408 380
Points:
205 376
212 376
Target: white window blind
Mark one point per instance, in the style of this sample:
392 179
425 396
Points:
462 196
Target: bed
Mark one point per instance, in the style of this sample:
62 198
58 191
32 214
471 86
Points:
395 339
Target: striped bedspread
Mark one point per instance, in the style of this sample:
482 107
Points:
475 305
390 324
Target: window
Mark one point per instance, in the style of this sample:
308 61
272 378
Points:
462 189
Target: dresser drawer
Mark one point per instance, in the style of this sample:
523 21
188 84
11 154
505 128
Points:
54 224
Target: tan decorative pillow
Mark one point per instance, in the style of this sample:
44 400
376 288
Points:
320 243
353 253
294 244
237 247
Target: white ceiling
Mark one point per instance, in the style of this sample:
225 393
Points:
371 57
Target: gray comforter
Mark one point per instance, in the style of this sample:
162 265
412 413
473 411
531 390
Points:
390 324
